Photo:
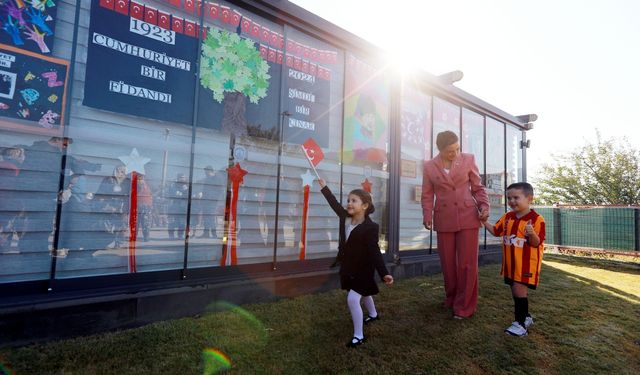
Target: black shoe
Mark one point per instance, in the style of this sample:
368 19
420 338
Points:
370 319
355 342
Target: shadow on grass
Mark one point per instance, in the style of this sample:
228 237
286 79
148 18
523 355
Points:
580 327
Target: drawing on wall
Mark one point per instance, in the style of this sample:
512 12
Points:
366 113
28 24
234 70
32 88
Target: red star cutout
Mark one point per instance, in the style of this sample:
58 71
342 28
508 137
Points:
236 173
366 185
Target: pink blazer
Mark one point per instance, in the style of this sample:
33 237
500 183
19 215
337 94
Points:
459 194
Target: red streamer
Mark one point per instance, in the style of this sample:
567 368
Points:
229 255
305 211
133 221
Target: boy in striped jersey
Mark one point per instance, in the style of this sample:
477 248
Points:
523 232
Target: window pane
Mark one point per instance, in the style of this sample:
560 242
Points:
495 175
473 143
236 159
416 141
312 95
366 136
446 116
514 171
33 95
131 125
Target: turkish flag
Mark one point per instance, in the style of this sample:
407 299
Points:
264 51
225 14
320 72
175 3
306 52
235 18
289 60
122 6
177 24
211 10
327 74
291 48
297 63
107 4
151 15
312 151
280 41
314 54
305 66
190 28
189 6
299 49
246 25
205 30
272 55
273 39
313 69
279 57
137 11
164 20
255 30
265 34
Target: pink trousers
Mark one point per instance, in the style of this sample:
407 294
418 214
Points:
459 260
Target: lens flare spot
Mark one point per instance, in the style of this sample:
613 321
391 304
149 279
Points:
6 369
215 361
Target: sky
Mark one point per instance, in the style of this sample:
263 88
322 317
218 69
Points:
576 64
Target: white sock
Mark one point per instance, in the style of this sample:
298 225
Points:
353 301
370 306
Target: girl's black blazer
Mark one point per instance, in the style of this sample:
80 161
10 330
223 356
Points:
359 256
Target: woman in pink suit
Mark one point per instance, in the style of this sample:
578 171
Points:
461 202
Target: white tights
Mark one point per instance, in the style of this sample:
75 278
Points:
353 301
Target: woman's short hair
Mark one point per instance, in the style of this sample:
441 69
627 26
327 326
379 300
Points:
445 138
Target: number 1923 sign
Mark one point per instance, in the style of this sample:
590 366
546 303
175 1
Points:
138 67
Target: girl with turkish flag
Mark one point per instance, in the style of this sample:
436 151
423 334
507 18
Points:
359 257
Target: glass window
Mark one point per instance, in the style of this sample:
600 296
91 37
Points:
366 135
495 173
415 124
446 116
473 142
131 118
312 94
514 155
35 79
236 148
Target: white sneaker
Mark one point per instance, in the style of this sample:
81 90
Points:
528 322
515 329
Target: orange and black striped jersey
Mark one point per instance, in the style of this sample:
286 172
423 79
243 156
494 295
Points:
520 261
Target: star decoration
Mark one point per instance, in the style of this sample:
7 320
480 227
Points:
307 178
366 185
236 173
134 162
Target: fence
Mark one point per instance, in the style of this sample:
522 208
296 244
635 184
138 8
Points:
599 227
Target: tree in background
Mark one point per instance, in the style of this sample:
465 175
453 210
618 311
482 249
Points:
233 69
606 172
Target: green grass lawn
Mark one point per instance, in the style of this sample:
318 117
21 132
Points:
587 315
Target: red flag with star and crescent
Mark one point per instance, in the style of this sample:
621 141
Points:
313 152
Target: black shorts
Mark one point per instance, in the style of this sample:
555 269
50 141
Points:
509 281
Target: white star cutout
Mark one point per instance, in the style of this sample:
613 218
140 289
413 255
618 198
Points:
307 178
134 162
